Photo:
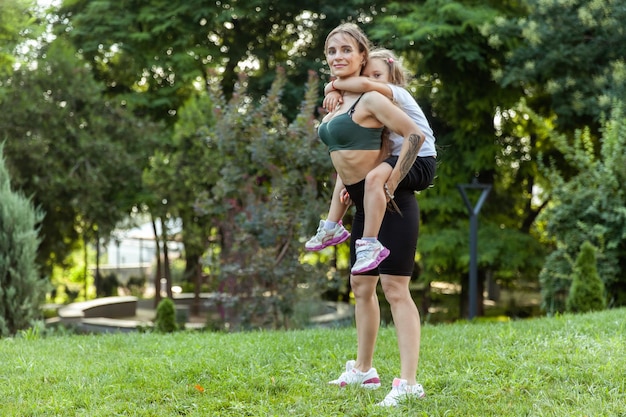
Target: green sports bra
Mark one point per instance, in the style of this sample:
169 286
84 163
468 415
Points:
342 133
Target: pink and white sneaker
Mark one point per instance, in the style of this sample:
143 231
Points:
324 238
401 391
368 256
353 376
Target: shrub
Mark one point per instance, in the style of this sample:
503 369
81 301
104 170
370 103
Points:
166 316
588 206
136 286
109 284
22 291
587 290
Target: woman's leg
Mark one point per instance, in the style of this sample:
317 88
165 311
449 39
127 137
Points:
367 317
406 320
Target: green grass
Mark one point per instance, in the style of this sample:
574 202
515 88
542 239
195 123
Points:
563 366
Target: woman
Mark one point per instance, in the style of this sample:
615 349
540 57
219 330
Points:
352 132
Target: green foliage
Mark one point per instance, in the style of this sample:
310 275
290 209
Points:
474 63
587 290
588 207
165 321
569 365
161 48
77 154
570 58
454 84
21 290
17 24
264 199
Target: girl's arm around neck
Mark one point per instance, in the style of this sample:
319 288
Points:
361 85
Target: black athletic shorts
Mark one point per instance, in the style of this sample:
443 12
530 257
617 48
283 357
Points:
421 175
398 233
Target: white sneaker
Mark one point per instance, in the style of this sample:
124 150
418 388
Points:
400 391
324 238
353 376
368 256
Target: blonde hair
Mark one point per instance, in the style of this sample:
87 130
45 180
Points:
355 32
398 75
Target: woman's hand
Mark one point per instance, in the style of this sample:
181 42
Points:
391 205
390 188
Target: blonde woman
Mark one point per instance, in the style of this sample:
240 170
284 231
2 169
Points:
353 133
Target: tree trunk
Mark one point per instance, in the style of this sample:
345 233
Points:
98 277
166 261
158 273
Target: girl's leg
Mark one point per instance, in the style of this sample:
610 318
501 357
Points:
369 251
375 201
367 317
329 232
337 209
406 320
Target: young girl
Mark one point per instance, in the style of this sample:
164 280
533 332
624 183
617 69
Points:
385 74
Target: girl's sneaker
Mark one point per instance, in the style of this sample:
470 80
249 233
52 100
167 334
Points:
325 238
368 256
353 376
401 391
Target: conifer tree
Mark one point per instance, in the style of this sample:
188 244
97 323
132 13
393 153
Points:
587 290
21 289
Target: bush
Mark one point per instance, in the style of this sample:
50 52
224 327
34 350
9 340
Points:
22 291
587 290
108 285
166 316
588 206
136 286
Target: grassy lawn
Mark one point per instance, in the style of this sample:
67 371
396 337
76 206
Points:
563 366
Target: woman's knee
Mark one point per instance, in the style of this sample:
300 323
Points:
363 286
396 290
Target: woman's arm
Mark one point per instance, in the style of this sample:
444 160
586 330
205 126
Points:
397 120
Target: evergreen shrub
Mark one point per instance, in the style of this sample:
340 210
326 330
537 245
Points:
22 291
165 321
587 290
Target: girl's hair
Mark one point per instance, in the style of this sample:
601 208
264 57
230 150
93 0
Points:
352 30
397 74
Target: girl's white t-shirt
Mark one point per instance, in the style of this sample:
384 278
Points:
407 103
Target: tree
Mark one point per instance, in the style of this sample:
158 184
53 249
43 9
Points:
450 53
266 197
79 155
156 57
22 291
569 58
178 176
151 53
589 206
587 290
17 24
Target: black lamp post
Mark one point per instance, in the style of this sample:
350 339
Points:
473 214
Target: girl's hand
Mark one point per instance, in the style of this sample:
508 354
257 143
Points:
332 100
344 197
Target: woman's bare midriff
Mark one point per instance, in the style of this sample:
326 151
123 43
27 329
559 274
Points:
353 165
